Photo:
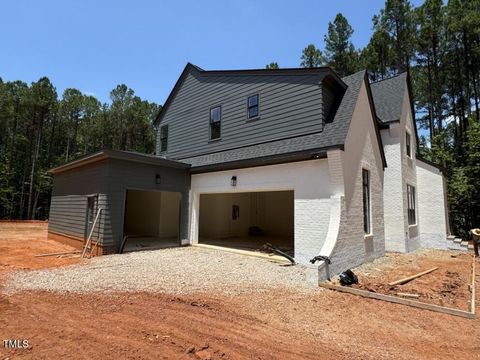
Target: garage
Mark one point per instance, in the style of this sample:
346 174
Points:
248 220
152 220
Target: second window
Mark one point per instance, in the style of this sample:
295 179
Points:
252 106
215 122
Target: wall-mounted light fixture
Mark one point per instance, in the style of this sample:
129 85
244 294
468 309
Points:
233 181
157 179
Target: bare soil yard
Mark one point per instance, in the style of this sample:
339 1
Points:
280 323
447 286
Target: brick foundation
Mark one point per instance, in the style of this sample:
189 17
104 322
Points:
78 243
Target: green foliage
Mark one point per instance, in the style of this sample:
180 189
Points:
38 131
377 56
272 66
340 53
311 57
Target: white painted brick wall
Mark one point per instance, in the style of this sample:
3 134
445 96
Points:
361 151
401 170
432 207
310 182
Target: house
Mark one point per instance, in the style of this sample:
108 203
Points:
300 158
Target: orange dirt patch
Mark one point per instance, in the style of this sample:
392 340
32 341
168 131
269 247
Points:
269 325
447 286
20 242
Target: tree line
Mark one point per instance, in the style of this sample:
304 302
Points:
39 130
439 45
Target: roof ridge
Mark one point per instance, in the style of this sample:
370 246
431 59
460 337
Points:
389 78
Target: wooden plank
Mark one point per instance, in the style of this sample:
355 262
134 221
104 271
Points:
59 253
398 300
472 302
409 278
416 296
276 258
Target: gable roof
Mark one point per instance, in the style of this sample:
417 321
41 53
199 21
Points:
388 97
296 148
327 71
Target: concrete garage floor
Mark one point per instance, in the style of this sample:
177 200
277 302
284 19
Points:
252 243
139 243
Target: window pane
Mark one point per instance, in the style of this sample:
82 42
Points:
163 138
412 220
366 200
253 111
407 140
215 130
253 100
215 114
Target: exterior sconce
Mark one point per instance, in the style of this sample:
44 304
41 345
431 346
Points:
233 181
157 179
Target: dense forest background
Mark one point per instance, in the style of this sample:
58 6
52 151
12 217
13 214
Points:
437 43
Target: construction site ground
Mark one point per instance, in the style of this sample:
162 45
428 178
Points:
275 324
447 286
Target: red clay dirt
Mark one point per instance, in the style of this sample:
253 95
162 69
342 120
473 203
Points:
20 242
447 286
274 325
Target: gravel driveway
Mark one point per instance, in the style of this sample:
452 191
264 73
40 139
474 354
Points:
173 271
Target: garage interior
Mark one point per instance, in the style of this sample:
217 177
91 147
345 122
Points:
247 221
152 220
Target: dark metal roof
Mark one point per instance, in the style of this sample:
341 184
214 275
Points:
119 155
388 95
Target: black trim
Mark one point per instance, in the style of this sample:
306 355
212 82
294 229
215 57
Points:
258 143
431 163
164 138
412 109
215 123
249 107
311 154
375 117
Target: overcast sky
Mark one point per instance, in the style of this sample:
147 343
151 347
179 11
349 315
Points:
95 45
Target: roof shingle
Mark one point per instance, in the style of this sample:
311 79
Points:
388 97
333 134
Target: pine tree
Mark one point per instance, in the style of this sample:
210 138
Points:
311 57
339 51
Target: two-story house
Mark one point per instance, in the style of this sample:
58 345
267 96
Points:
304 160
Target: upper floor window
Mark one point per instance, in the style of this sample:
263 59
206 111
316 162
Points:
164 138
252 105
215 122
366 201
408 143
412 219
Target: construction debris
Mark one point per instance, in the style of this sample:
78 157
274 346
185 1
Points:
414 296
59 253
410 278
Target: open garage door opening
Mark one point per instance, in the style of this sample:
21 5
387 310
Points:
152 220
247 221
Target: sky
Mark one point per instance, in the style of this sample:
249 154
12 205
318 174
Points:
95 45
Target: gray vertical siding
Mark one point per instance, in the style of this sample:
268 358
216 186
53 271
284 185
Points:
290 105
